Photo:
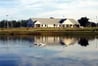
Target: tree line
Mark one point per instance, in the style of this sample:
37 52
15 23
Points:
13 23
84 21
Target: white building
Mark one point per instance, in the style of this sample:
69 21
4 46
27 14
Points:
46 22
70 23
54 22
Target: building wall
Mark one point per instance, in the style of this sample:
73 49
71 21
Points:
53 25
43 25
37 22
50 25
67 22
46 25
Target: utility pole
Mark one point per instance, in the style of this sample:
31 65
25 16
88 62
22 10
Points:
7 22
96 20
96 30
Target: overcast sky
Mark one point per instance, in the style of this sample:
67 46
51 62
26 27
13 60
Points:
24 9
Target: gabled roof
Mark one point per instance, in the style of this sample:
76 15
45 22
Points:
54 20
73 21
47 20
62 20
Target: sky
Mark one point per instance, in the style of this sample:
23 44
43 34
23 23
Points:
25 9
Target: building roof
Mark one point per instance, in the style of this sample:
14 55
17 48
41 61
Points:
53 20
74 21
47 20
62 20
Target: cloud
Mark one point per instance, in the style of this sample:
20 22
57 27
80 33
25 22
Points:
46 8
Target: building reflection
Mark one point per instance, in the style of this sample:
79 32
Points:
67 41
49 40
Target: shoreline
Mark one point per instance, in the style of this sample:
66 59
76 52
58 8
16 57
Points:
48 31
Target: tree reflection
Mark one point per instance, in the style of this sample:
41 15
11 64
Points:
83 42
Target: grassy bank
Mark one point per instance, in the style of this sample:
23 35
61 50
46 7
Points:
49 31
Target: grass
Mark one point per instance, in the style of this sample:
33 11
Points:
49 31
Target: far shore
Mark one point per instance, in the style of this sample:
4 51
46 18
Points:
49 31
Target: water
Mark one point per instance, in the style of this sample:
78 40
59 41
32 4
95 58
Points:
48 51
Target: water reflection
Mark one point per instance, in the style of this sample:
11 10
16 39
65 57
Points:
46 40
21 51
67 41
83 42
9 60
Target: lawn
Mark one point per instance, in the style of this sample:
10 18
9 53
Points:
32 31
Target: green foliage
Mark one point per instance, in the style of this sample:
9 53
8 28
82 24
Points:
13 23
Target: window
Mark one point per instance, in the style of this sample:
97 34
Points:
45 25
60 25
37 25
54 25
67 25
42 25
63 25
71 26
76 25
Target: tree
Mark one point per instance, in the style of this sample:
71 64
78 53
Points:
23 23
92 24
84 21
2 24
30 23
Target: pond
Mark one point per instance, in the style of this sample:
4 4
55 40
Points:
48 50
